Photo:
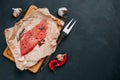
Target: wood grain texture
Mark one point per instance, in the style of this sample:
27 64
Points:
7 53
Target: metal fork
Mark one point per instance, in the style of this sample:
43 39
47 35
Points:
64 33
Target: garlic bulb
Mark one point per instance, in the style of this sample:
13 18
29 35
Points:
62 11
16 11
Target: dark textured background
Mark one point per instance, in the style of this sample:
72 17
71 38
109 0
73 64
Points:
93 45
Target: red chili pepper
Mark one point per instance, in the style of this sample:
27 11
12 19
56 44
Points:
61 63
55 63
52 63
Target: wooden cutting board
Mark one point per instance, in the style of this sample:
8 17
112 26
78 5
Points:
7 53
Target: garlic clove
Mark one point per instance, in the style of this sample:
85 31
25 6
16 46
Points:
21 58
62 11
24 63
60 57
16 11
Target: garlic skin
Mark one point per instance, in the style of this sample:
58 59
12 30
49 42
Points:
60 57
16 11
62 11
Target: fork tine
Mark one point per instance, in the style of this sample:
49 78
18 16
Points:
71 26
66 27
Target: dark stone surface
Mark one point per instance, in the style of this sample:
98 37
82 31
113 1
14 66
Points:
93 45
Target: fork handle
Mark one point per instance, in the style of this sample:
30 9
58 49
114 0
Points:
60 38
